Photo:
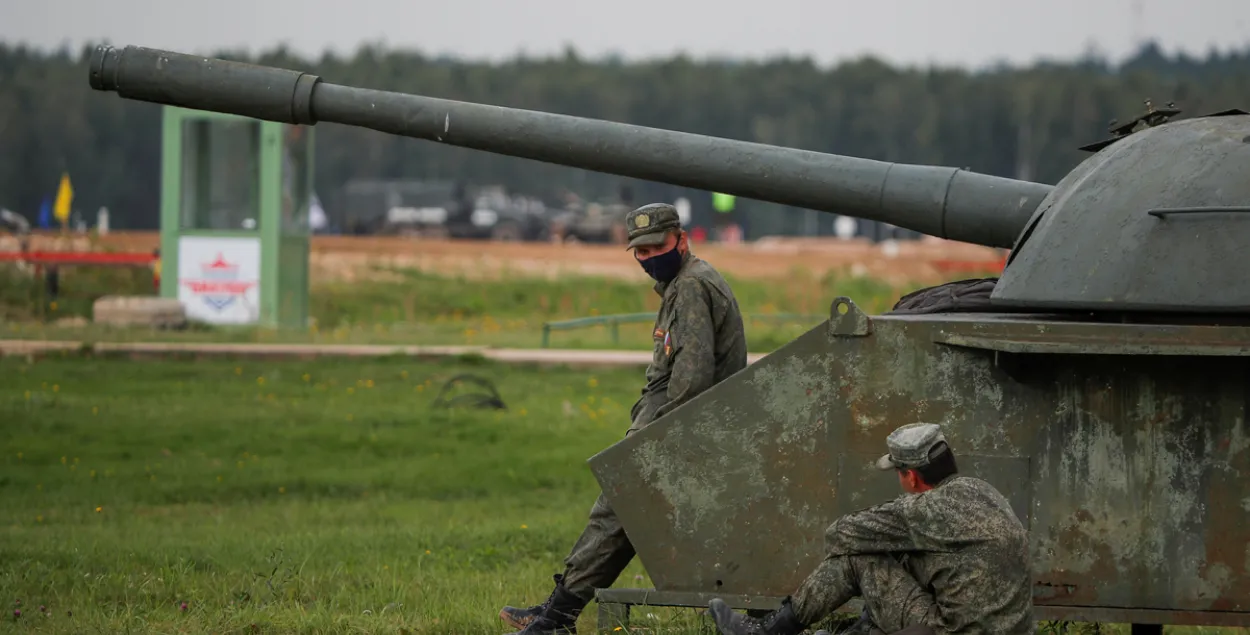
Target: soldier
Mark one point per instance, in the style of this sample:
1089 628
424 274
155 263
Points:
948 556
699 341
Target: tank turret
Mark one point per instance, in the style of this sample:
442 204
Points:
1100 384
1150 223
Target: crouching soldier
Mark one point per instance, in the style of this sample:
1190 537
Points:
947 556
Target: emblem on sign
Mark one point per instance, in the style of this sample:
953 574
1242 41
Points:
220 286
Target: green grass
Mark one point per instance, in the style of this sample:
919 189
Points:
23 297
419 308
295 497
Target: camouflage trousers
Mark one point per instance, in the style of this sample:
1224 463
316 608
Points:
893 597
603 551
600 554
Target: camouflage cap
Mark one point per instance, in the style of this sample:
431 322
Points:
910 446
648 224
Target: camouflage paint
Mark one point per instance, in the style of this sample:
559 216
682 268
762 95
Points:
1147 224
1122 448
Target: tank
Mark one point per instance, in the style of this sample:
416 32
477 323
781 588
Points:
1100 382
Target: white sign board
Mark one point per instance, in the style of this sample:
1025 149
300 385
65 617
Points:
844 227
683 210
219 279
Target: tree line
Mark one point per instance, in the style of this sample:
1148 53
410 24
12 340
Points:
1024 122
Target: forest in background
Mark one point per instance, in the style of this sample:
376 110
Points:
1017 122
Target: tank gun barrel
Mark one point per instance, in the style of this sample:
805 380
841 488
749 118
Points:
939 201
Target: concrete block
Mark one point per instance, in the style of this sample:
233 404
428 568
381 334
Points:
144 311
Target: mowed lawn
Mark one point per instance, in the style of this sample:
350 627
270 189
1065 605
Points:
286 497
299 497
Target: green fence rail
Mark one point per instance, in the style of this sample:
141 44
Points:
615 321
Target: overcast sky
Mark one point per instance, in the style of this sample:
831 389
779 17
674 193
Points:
964 32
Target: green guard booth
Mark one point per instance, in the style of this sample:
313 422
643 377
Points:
235 196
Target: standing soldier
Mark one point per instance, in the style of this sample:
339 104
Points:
699 341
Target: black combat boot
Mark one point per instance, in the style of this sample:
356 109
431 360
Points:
779 622
864 626
520 618
556 616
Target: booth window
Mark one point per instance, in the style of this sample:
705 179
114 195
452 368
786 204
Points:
220 175
294 180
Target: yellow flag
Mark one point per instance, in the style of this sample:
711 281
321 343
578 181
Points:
64 195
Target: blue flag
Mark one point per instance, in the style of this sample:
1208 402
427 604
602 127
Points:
45 214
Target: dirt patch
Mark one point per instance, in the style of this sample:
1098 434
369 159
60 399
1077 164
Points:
353 258
341 258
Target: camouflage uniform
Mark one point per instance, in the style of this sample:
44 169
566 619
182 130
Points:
954 558
698 341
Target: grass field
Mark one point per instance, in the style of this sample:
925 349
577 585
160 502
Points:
333 496
291 496
411 307
295 497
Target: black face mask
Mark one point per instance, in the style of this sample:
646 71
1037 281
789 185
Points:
663 267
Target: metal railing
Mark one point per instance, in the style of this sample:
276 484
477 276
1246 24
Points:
613 322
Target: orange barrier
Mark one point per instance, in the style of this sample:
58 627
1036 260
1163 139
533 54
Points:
79 258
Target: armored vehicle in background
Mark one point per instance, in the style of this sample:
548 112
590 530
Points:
590 223
1100 382
594 222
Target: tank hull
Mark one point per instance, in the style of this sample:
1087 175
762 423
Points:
1123 449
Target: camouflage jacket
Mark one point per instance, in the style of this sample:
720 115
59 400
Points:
962 541
698 340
